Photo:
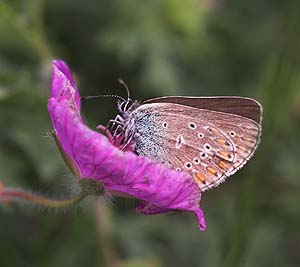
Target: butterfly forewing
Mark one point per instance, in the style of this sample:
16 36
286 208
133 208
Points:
242 106
210 145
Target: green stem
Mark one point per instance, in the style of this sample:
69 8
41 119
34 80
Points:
11 194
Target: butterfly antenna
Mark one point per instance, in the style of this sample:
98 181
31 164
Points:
126 87
101 96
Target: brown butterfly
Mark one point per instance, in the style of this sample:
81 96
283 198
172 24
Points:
208 137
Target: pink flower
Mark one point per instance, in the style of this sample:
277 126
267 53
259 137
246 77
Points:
93 157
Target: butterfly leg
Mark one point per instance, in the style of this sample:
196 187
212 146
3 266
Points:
118 130
115 139
116 127
128 145
117 120
106 131
150 209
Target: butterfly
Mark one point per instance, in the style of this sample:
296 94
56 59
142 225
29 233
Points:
208 137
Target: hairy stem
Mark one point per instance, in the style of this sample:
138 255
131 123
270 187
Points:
13 194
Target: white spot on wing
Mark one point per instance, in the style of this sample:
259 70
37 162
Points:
179 141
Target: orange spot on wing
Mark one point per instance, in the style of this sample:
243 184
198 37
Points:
223 165
242 149
213 131
220 141
212 170
200 177
225 155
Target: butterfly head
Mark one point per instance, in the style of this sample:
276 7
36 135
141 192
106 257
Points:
126 107
122 126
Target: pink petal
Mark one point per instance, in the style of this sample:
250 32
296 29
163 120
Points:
62 78
160 188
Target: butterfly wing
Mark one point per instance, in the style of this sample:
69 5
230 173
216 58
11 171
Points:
210 145
242 106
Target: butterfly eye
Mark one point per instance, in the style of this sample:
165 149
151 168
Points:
192 126
165 124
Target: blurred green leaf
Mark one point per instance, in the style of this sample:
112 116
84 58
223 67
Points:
206 47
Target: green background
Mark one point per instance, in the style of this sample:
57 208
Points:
169 47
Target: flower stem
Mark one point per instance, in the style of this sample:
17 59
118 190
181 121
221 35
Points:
12 194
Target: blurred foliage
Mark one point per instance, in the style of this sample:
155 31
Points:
192 47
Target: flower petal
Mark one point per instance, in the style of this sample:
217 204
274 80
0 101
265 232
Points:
62 78
160 188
